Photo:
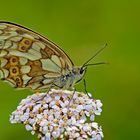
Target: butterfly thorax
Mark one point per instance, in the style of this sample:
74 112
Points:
72 77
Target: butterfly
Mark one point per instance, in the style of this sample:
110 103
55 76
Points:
29 60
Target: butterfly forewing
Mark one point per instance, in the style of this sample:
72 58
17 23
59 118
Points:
28 59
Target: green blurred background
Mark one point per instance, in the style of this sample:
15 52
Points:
80 27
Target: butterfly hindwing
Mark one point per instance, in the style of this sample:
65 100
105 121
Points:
28 59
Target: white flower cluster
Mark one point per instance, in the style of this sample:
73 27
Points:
60 114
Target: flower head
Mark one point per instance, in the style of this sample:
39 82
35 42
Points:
60 114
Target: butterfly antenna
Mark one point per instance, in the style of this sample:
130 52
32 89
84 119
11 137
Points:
99 63
100 50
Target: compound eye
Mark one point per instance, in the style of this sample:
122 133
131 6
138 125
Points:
81 71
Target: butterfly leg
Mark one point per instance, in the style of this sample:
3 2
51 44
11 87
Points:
85 86
74 89
49 89
53 85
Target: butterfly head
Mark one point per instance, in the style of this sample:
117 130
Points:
79 73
